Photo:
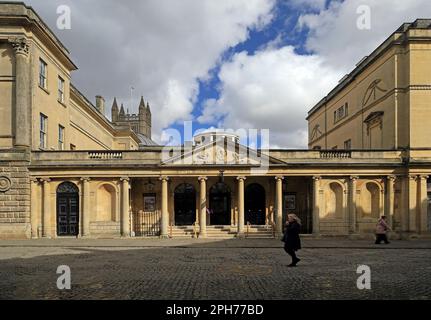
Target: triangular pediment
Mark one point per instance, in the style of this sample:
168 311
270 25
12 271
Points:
218 153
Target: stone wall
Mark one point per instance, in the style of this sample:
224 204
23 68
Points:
14 200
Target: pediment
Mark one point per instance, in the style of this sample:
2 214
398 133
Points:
219 153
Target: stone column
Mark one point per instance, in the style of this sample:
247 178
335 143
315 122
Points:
34 215
22 124
164 223
423 204
413 205
390 200
125 204
241 206
203 207
279 204
46 206
85 205
352 205
316 205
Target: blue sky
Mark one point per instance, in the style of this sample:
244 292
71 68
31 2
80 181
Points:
281 31
233 64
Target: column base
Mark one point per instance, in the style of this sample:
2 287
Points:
240 235
164 236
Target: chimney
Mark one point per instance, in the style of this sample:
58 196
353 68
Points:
100 104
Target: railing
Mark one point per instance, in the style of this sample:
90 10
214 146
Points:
335 154
105 155
195 229
147 224
247 229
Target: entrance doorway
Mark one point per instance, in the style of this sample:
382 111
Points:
255 208
185 205
220 204
67 209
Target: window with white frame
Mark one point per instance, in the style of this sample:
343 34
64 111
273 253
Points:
60 137
60 89
43 131
43 74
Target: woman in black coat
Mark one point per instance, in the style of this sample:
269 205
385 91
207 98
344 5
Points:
292 242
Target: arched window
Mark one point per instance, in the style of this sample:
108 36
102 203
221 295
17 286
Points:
185 204
220 204
106 203
255 206
67 209
370 200
334 201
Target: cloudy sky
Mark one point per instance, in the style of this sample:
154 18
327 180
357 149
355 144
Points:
223 63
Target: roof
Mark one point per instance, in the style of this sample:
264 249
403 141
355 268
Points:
145 141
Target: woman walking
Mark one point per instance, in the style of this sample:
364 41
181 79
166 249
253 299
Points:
292 242
381 229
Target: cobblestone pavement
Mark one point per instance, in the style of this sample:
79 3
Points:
231 269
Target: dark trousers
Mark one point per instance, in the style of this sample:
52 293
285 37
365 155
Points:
291 253
380 238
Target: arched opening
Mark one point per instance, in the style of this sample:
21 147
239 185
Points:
185 205
370 201
106 203
334 203
255 206
220 204
67 209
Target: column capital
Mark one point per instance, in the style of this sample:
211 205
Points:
20 45
34 180
317 178
413 177
242 178
45 180
391 178
353 178
164 178
85 179
202 178
122 179
279 178
423 176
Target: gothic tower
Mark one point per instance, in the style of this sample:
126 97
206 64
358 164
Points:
148 118
142 118
114 111
122 113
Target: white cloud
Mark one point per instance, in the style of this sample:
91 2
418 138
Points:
271 89
276 87
334 34
161 48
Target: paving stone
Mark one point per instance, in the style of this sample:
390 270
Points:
221 270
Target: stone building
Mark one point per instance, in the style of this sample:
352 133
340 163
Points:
66 170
